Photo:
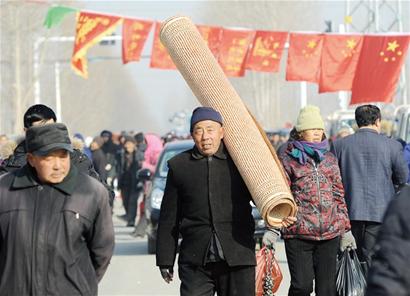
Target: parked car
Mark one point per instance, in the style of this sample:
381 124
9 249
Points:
154 198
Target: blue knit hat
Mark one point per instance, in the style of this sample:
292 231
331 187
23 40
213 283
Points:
205 113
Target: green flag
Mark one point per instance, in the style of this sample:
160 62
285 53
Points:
56 14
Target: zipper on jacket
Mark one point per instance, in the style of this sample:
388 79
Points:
209 160
33 239
320 196
47 230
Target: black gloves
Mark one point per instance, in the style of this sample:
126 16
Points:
167 273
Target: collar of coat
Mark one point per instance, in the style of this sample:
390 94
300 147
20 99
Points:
366 129
26 177
221 153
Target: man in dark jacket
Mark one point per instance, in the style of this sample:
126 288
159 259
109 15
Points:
56 232
371 165
207 202
389 274
39 115
129 161
98 156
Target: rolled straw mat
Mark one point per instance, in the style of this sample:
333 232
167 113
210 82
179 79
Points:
255 160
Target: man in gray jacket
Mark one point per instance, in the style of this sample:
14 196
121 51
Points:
56 232
371 165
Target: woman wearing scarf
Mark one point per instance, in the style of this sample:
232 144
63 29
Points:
322 225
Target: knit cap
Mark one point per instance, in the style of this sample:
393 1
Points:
309 118
205 113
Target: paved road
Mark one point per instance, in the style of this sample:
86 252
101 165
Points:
133 272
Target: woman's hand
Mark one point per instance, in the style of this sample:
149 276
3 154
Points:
287 221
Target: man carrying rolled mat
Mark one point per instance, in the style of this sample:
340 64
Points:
206 202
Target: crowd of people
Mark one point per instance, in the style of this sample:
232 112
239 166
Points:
57 193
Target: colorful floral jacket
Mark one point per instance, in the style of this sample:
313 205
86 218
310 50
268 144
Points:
318 192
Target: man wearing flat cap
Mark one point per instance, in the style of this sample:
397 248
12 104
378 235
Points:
56 232
207 203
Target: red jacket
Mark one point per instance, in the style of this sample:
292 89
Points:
318 192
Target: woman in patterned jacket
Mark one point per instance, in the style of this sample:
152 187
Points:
322 225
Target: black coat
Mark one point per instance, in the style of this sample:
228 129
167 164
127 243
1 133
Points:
202 195
389 274
128 177
54 239
99 163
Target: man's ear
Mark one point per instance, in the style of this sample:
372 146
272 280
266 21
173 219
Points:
30 159
222 132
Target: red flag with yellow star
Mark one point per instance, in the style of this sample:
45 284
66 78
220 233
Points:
160 57
378 69
212 37
233 51
90 29
304 57
266 51
340 55
134 35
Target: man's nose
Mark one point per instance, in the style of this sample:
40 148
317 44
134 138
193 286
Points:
56 164
205 135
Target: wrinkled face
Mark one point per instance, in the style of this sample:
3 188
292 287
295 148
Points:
129 146
312 135
53 167
207 135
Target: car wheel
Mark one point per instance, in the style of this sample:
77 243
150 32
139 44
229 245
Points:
152 245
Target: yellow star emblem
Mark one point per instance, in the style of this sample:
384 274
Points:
351 43
311 44
391 46
348 19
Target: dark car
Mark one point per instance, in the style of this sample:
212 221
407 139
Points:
154 198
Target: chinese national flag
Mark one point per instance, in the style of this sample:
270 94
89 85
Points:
340 55
266 51
159 56
378 69
304 57
134 35
212 37
233 51
90 29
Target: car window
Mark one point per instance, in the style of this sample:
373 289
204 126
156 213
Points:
168 154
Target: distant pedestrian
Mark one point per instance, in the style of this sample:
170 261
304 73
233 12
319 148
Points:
129 161
98 157
56 232
406 152
86 150
110 150
322 224
371 165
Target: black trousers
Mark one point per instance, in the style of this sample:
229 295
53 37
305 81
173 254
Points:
130 202
312 260
217 277
365 234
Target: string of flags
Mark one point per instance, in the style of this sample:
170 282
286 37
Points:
367 65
